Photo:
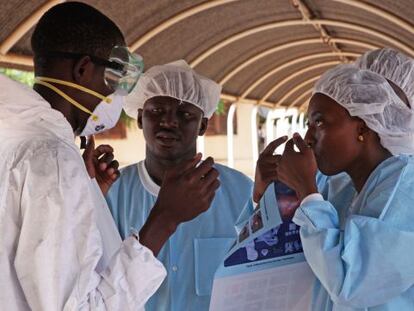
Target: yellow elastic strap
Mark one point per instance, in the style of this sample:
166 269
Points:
71 100
76 86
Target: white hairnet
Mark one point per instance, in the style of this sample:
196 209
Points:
177 80
369 96
392 65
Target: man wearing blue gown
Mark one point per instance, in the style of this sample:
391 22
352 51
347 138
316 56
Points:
172 105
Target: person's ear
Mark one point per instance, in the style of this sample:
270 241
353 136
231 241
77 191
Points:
203 127
82 70
139 119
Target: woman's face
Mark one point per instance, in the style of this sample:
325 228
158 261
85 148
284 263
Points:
333 135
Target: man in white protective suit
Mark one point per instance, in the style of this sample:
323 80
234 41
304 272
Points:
59 247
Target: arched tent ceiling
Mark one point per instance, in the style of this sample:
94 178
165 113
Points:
267 52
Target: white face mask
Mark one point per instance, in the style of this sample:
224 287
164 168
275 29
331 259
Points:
105 116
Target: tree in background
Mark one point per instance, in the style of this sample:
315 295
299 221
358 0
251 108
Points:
25 77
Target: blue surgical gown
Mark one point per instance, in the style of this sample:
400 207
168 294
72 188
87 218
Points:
361 246
193 253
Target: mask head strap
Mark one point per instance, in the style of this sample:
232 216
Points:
47 83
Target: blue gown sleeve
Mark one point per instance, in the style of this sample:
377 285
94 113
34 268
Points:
112 197
370 261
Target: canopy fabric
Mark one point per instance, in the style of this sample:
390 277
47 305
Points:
262 51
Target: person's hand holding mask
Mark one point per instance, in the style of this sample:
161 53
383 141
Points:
266 172
298 169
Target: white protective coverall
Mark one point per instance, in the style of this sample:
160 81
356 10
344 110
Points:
59 248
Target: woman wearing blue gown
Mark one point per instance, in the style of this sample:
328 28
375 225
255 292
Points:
357 217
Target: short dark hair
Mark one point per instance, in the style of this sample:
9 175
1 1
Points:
74 27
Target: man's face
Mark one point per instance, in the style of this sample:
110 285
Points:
98 82
170 127
332 134
92 76
93 79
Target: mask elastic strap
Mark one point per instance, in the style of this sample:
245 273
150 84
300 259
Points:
76 86
65 96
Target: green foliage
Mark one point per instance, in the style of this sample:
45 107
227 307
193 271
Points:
221 109
24 77
128 121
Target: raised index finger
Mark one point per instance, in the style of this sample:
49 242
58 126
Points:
203 169
271 147
90 146
289 147
300 143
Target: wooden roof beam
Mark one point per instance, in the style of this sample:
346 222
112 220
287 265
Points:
295 75
255 30
25 26
287 65
308 15
297 88
288 45
176 19
380 13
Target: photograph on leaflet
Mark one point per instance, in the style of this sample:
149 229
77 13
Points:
276 242
244 233
256 223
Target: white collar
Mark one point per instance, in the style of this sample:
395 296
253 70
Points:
146 179
22 107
